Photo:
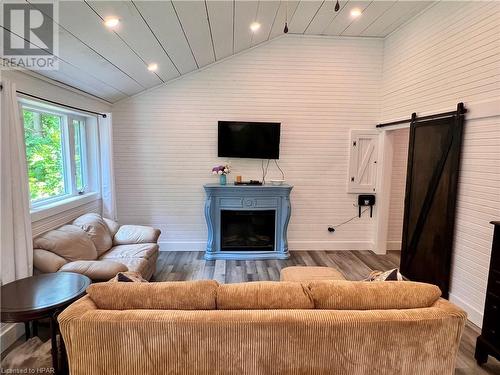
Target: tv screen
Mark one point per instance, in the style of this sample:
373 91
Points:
259 140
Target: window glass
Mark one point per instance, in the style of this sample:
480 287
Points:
45 155
79 135
56 154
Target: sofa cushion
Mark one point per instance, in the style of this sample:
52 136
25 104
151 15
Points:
360 295
143 250
112 225
263 295
97 229
97 270
132 234
309 273
177 295
69 241
47 261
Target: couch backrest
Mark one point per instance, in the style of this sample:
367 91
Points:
95 226
264 295
209 295
366 295
69 241
185 295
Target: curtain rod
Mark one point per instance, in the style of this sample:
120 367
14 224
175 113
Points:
57 103
461 110
61 104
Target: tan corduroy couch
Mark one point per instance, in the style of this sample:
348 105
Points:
97 247
319 327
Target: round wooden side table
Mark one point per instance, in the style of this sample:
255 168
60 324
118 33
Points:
43 296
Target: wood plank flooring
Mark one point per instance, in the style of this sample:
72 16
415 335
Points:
355 265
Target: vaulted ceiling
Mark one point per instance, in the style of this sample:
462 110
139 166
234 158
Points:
183 36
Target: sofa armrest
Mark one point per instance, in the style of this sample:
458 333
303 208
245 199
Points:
450 309
135 234
46 261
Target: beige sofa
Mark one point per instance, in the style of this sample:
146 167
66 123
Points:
318 327
97 247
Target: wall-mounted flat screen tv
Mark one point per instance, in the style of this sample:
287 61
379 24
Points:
258 140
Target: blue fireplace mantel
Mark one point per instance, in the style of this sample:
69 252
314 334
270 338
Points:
247 198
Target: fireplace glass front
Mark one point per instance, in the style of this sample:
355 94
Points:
248 230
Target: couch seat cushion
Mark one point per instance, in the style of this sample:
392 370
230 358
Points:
97 229
263 295
97 270
362 295
139 265
143 250
308 273
69 241
177 295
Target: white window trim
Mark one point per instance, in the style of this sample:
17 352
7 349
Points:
58 204
54 208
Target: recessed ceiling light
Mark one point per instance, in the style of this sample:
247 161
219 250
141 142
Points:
356 12
153 67
254 26
111 22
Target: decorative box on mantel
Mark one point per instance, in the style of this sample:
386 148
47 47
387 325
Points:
247 221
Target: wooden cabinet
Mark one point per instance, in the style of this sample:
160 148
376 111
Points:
489 341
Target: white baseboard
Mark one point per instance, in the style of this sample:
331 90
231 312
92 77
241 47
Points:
393 245
9 334
473 315
292 245
329 245
182 246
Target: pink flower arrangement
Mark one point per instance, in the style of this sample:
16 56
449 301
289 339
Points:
221 169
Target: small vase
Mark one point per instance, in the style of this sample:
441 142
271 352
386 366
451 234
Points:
223 179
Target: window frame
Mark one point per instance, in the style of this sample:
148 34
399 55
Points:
68 152
83 149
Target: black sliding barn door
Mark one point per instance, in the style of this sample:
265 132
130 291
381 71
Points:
431 190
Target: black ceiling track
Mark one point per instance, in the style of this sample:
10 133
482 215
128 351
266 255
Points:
461 110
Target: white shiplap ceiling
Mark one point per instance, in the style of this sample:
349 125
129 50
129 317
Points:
183 36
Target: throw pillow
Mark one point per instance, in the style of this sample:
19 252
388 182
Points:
129 276
391 275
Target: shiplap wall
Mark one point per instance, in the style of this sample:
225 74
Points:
398 187
165 141
65 217
451 53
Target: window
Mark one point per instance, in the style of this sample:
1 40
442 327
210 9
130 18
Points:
56 153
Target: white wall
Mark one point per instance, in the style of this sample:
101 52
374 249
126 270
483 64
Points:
398 187
451 53
318 88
